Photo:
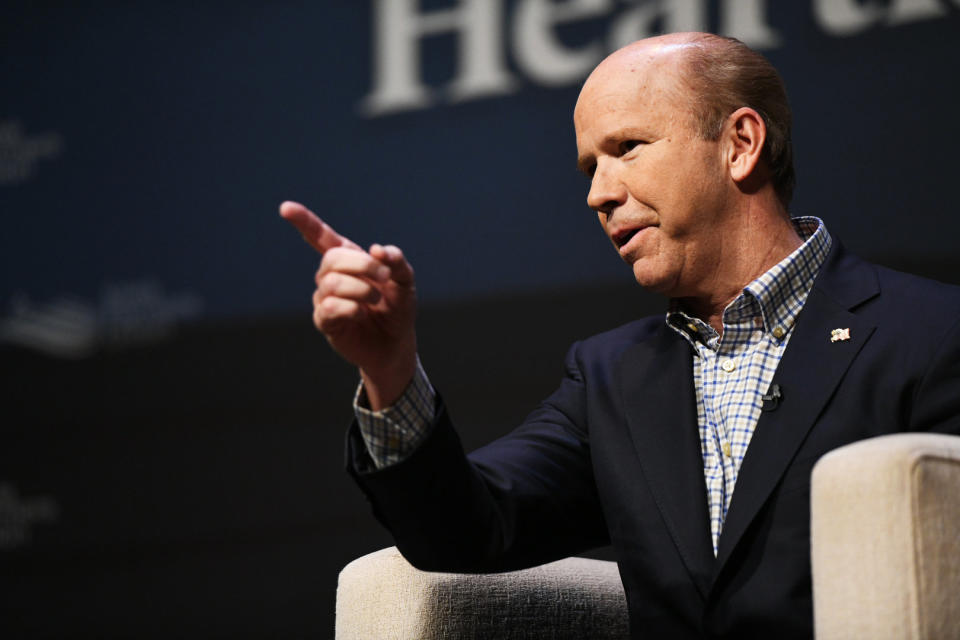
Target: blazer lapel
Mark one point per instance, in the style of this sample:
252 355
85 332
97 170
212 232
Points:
660 408
809 372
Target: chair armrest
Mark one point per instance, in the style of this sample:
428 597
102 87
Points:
885 538
381 595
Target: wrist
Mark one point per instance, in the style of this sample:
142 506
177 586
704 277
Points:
385 384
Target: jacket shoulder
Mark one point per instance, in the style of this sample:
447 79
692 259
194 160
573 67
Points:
886 295
616 340
917 289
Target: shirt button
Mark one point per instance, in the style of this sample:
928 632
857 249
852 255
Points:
726 449
778 332
728 365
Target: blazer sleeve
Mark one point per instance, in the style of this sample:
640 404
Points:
936 403
524 499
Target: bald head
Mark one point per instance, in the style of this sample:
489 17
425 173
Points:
708 77
666 47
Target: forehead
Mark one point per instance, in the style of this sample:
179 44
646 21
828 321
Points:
642 83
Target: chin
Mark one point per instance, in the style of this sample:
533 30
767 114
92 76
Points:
654 280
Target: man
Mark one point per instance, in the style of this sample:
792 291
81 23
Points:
686 443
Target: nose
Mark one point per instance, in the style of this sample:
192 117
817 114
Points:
607 192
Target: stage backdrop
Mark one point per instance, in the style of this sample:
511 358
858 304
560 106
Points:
171 444
144 149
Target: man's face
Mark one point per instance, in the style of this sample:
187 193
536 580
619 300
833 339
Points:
658 189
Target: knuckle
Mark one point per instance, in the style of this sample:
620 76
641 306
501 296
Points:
344 260
331 259
329 282
328 259
329 307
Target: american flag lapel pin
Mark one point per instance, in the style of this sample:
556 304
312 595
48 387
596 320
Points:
839 335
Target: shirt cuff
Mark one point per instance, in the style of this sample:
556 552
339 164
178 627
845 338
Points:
392 434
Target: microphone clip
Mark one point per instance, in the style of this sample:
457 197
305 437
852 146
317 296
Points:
771 399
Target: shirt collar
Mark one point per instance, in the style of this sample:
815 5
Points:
780 292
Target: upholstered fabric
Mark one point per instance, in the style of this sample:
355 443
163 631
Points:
885 535
381 596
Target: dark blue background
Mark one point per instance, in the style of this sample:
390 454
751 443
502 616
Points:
184 125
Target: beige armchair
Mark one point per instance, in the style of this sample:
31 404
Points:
885 535
885 539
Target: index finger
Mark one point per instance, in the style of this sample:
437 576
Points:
315 231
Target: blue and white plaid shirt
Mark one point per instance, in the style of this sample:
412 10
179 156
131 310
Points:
394 433
730 373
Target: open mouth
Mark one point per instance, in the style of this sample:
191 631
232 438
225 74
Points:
623 237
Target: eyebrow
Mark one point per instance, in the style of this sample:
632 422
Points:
583 164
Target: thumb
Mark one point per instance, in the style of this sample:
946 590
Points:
400 270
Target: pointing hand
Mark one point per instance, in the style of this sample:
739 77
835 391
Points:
364 303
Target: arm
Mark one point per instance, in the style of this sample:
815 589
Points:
393 433
522 500
936 403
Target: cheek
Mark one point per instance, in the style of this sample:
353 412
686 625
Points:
658 188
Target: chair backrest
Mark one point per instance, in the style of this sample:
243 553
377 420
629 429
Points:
885 539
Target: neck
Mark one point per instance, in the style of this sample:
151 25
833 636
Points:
751 250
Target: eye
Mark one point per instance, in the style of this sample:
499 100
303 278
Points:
629 145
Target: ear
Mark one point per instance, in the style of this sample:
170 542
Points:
744 134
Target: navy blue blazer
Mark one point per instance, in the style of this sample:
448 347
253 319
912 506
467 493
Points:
614 456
